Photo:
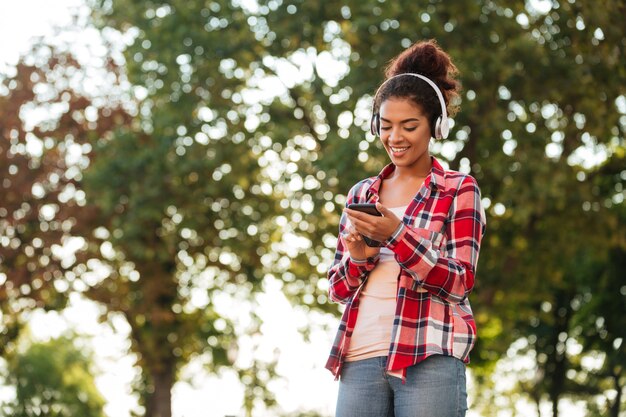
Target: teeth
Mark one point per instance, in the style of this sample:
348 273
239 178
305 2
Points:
399 149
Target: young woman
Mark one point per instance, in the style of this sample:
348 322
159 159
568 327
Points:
408 328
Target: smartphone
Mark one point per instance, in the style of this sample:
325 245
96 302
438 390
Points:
370 209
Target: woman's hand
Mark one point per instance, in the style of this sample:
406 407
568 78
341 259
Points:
375 227
356 245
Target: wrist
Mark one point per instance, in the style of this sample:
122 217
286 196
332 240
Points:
392 240
363 260
358 260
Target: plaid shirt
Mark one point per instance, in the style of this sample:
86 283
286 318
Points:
436 246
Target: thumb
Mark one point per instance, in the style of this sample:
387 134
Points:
383 210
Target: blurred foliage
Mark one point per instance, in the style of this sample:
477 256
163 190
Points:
41 202
26 262
246 128
53 378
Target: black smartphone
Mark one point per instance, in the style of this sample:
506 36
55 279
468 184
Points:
370 209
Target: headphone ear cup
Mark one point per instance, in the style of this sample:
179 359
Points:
441 128
437 132
375 125
444 128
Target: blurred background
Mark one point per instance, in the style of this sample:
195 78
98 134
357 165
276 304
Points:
172 174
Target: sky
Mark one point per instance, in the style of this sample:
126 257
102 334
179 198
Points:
305 386
20 20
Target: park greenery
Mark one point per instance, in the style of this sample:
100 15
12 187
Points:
52 378
218 154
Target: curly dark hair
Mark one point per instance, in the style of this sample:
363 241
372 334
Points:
428 59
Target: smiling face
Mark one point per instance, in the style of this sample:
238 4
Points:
405 134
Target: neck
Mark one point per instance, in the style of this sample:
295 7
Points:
419 170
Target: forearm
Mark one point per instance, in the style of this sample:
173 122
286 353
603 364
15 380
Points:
346 275
444 270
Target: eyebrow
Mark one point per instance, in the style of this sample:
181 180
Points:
412 119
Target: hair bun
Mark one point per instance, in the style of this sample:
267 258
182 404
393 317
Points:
424 58
428 59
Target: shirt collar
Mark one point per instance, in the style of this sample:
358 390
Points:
434 180
437 174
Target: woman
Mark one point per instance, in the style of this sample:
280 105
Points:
408 328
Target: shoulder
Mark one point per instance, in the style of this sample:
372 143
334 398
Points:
464 189
454 181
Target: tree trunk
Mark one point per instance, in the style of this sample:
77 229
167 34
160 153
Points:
614 412
159 401
562 314
538 404
555 406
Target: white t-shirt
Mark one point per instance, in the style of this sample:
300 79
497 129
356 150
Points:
377 307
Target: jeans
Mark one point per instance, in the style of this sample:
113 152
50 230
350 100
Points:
434 388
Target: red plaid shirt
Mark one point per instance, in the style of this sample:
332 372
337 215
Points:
436 246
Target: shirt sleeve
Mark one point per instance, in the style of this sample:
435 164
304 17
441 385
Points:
346 274
446 272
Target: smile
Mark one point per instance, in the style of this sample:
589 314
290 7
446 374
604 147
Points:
399 150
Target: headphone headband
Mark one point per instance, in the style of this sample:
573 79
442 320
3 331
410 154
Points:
441 126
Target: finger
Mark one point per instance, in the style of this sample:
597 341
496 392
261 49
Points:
358 225
361 219
354 214
352 239
364 227
355 235
387 214
352 235
383 210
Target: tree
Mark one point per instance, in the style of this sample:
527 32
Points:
137 254
26 260
41 202
185 216
53 378
597 324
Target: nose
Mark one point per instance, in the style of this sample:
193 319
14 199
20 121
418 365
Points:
394 134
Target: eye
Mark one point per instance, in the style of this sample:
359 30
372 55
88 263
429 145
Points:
410 129
385 127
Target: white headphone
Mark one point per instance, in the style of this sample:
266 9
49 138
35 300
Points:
442 127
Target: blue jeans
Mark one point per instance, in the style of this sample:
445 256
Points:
433 388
